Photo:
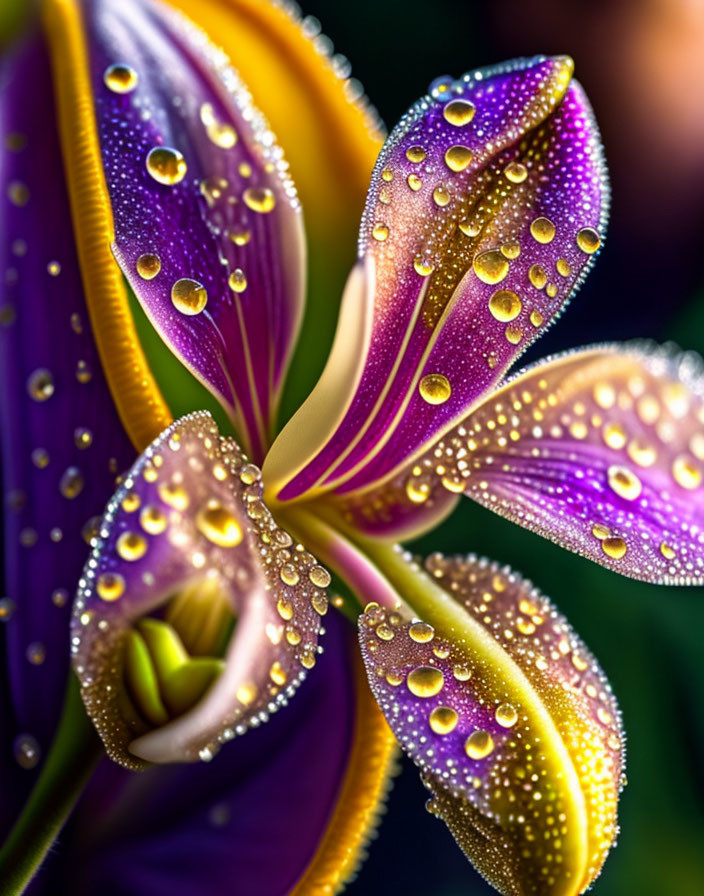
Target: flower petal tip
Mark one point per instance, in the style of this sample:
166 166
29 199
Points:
511 721
197 616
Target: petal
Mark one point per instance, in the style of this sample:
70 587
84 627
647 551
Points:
600 450
511 155
207 224
509 718
185 551
300 785
331 135
62 441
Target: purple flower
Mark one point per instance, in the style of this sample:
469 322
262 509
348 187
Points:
146 194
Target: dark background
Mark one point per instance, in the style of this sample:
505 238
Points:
642 64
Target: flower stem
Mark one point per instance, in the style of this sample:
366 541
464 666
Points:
71 760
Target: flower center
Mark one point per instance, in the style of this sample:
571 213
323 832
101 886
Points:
171 660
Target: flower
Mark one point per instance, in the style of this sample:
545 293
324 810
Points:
203 602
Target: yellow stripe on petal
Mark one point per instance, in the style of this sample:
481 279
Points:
139 402
371 764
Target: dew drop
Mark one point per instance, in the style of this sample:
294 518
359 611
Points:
435 388
259 199
148 266
425 681
458 157
458 112
110 586
479 744
443 719
40 384
415 154
505 305
542 230
491 266
588 240
218 525
71 483
120 78
237 280
614 547
421 632
516 172
189 296
131 546
166 165
152 520
26 750
506 715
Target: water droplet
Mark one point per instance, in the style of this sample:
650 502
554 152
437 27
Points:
380 232
435 388
443 719
479 744
7 608
563 268
110 586
542 230
425 681
174 495
277 673
289 574
319 576
166 165
36 653
53 268
414 182
505 305
614 547
686 472
71 483
421 632
423 267
667 552
131 546
152 520
536 317
26 750
458 112
491 266
40 384
239 236
148 266
189 296
221 133
237 280
458 157
588 240
506 715
40 458
218 525
83 372
415 154
537 276
516 172
120 78
624 482
18 193
259 199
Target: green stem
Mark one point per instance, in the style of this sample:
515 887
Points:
73 756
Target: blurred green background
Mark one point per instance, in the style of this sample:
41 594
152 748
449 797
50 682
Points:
642 64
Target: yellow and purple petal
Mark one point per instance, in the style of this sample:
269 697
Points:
62 441
208 227
486 207
192 589
509 718
306 784
600 450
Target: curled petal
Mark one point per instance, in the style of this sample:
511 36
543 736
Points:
485 210
510 719
599 450
196 615
207 223
62 440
